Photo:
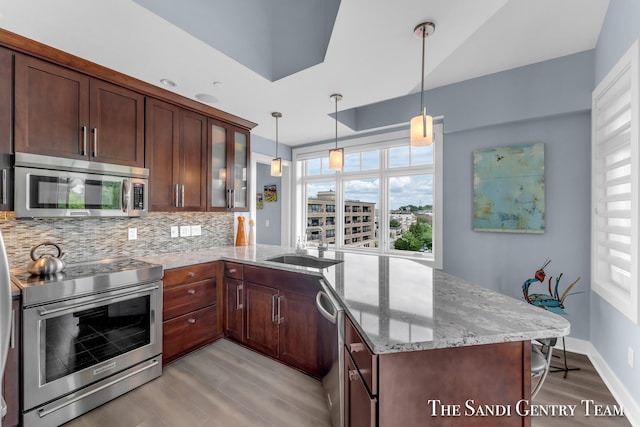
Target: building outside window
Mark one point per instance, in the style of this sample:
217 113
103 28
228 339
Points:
388 195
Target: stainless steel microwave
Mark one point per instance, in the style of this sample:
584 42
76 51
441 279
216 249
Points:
58 187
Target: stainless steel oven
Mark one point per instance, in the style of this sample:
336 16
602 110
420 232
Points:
90 334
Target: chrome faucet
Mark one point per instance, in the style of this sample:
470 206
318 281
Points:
322 246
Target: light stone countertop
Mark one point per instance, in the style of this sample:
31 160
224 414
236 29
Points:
399 304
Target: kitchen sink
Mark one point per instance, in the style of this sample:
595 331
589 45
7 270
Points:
305 261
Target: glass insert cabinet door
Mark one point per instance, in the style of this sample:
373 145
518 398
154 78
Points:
228 173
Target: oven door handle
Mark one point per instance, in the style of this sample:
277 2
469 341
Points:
44 412
44 311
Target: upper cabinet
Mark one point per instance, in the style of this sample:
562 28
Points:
6 111
228 172
176 154
63 113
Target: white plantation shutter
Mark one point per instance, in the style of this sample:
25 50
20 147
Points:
615 186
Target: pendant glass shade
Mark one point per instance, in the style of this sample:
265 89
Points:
336 159
276 167
422 130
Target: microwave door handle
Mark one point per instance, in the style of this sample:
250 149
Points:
126 196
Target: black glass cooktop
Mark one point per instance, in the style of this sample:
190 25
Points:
84 277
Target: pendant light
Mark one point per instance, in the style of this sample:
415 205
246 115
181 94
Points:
422 124
276 164
336 155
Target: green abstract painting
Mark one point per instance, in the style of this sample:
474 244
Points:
508 189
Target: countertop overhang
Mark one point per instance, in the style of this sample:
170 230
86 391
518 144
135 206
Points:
399 304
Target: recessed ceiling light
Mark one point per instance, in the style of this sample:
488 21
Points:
207 98
168 83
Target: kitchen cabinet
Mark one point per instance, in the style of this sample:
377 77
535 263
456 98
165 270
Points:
234 301
282 321
360 407
6 134
228 171
64 113
189 310
11 379
392 389
176 147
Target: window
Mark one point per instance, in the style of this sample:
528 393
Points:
615 186
386 199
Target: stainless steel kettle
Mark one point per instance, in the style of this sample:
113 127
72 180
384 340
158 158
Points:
46 263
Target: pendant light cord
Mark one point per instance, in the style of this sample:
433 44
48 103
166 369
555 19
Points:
276 137
336 99
424 36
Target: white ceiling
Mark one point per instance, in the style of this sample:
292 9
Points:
372 54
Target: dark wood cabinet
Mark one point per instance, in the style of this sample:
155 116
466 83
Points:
6 126
11 379
228 171
262 319
282 321
60 112
234 309
360 407
301 332
392 389
190 318
176 148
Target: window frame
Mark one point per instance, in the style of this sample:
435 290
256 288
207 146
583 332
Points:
605 238
364 143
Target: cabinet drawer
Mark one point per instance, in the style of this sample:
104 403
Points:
363 357
183 333
233 270
179 300
189 274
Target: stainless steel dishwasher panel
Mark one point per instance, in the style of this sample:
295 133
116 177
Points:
332 382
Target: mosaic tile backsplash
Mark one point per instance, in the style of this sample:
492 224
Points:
85 239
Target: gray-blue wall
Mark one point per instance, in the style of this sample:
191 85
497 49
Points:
270 213
610 331
502 261
268 147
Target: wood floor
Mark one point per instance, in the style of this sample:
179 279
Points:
223 385
227 385
582 384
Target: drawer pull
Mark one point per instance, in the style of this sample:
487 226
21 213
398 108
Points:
191 274
353 375
191 291
356 347
232 270
191 320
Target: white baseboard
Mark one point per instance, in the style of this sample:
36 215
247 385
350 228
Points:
618 390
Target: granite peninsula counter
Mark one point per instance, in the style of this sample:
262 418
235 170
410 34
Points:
400 305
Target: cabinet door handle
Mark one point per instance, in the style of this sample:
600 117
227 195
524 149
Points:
191 274
182 196
228 199
280 318
239 290
273 308
191 291
232 270
191 320
95 142
176 201
4 186
353 375
356 347
12 341
233 201
84 140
